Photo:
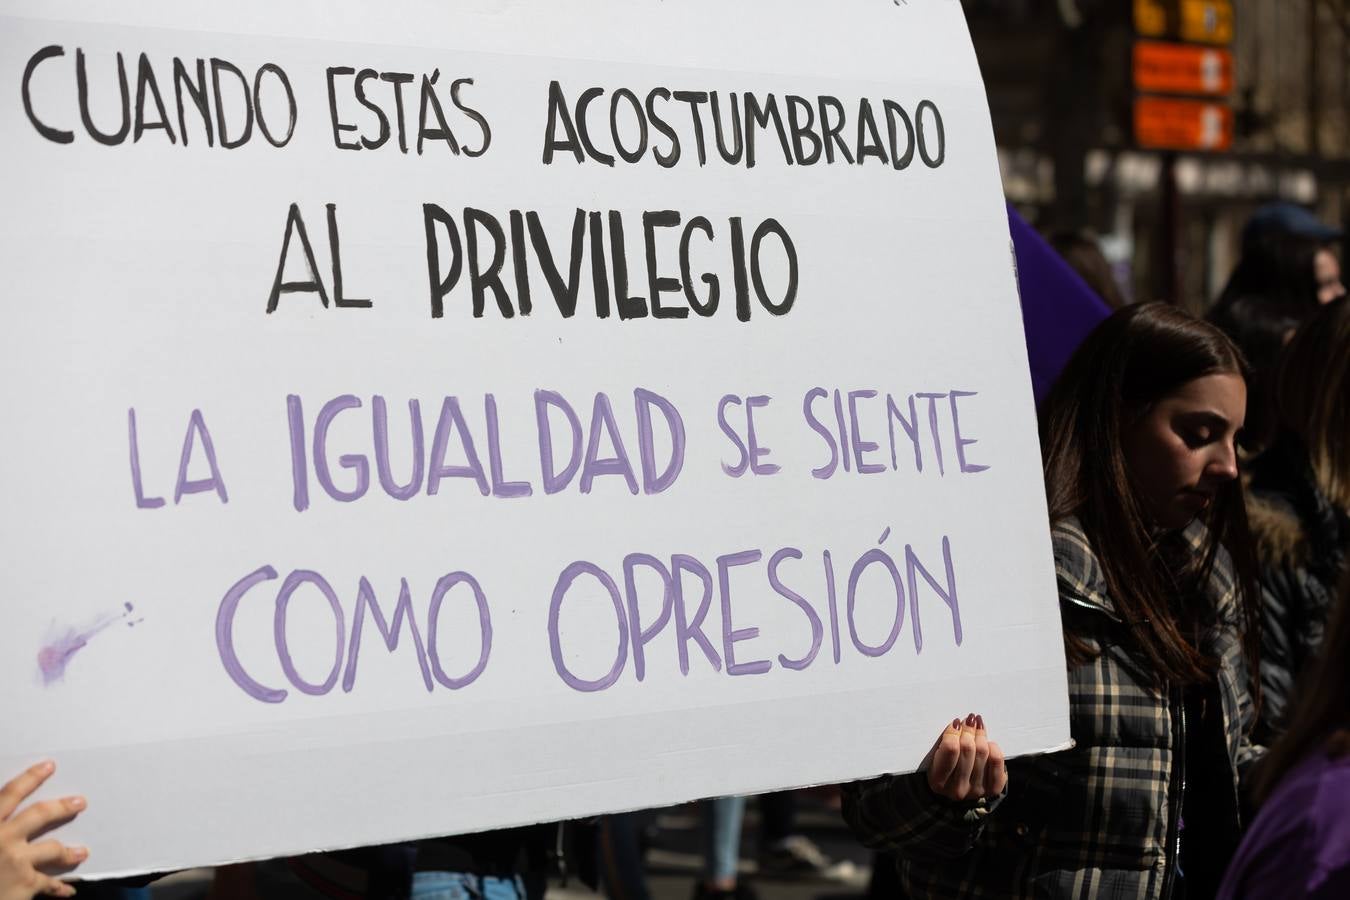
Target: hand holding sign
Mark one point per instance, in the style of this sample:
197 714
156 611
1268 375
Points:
25 867
964 765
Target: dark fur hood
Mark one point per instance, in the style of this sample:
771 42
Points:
1293 521
1277 531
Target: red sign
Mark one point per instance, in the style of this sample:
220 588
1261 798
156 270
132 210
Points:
1182 69
1163 123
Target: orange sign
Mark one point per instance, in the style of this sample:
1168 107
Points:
1182 69
1207 21
1201 21
1163 123
1150 18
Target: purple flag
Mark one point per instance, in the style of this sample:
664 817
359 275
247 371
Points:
1058 308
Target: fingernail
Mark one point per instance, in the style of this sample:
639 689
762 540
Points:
80 853
46 767
75 803
956 724
970 721
979 722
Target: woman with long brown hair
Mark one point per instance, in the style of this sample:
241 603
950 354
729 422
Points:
1300 504
1299 845
1157 593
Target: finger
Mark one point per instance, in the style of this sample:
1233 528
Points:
55 887
22 786
977 771
52 856
996 771
944 756
953 728
958 786
48 814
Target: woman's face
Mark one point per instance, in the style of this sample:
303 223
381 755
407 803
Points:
1183 449
1327 271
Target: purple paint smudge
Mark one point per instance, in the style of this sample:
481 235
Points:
53 658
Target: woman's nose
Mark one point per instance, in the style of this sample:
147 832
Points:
1223 466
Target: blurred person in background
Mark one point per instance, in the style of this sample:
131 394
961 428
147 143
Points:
1299 503
508 864
620 844
1327 274
1287 269
784 851
1084 254
1299 844
722 819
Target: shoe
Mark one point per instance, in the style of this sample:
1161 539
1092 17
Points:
797 856
741 891
793 855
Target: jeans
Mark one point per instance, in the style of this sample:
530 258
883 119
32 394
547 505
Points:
465 886
722 837
620 850
275 881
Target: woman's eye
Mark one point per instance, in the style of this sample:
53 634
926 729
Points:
1197 437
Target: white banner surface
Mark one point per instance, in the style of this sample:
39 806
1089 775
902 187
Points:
432 417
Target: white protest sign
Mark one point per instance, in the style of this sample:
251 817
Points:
444 416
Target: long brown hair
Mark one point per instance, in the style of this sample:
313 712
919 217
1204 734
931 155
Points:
1320 720
1135 358
1312 395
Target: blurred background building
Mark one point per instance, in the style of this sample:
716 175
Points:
1167 197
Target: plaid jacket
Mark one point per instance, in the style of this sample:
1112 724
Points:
1096 821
